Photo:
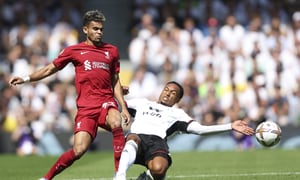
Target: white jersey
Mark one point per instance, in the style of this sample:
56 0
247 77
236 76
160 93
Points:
153 118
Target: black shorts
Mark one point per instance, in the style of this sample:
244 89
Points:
152 146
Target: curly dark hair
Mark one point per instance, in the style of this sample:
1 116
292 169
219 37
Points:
93 15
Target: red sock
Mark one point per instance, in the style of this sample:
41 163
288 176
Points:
118 145
65 160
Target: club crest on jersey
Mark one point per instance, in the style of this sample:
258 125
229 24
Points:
107 56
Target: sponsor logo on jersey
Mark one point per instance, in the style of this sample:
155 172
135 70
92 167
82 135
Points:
154 109
100 65
152 112
95 65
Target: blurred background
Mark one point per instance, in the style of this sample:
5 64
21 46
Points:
237 59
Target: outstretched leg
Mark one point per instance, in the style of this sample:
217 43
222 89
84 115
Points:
82 141
127 159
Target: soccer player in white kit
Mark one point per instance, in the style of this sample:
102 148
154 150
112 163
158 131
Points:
146 143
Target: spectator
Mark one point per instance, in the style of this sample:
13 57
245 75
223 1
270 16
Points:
278 109
25 141
296 27
232 34
143 84
137 49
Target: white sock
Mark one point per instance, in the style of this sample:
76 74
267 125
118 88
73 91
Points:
127 157
149 175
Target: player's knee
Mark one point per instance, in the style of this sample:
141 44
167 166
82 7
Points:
79 150
133 137
158 170
113 119
115 123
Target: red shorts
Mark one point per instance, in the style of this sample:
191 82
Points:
89 120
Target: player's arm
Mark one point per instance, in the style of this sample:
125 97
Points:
240 126
118 93
35 76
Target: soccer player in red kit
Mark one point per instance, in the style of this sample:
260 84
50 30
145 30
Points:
98 87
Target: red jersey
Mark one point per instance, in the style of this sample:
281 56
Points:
94 67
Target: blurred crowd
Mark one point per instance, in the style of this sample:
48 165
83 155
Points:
235 59
32 34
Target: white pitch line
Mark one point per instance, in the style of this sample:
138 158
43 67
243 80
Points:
238 175
214 175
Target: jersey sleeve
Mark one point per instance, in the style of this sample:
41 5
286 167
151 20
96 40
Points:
181 124
196 128
183 116
64 57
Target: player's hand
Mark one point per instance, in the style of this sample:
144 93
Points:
125 90
242 127
16 80
125 117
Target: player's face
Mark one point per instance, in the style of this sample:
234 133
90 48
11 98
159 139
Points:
169 95
94 32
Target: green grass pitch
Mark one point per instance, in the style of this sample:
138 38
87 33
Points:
259 164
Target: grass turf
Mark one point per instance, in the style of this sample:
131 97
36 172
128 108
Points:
260 164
